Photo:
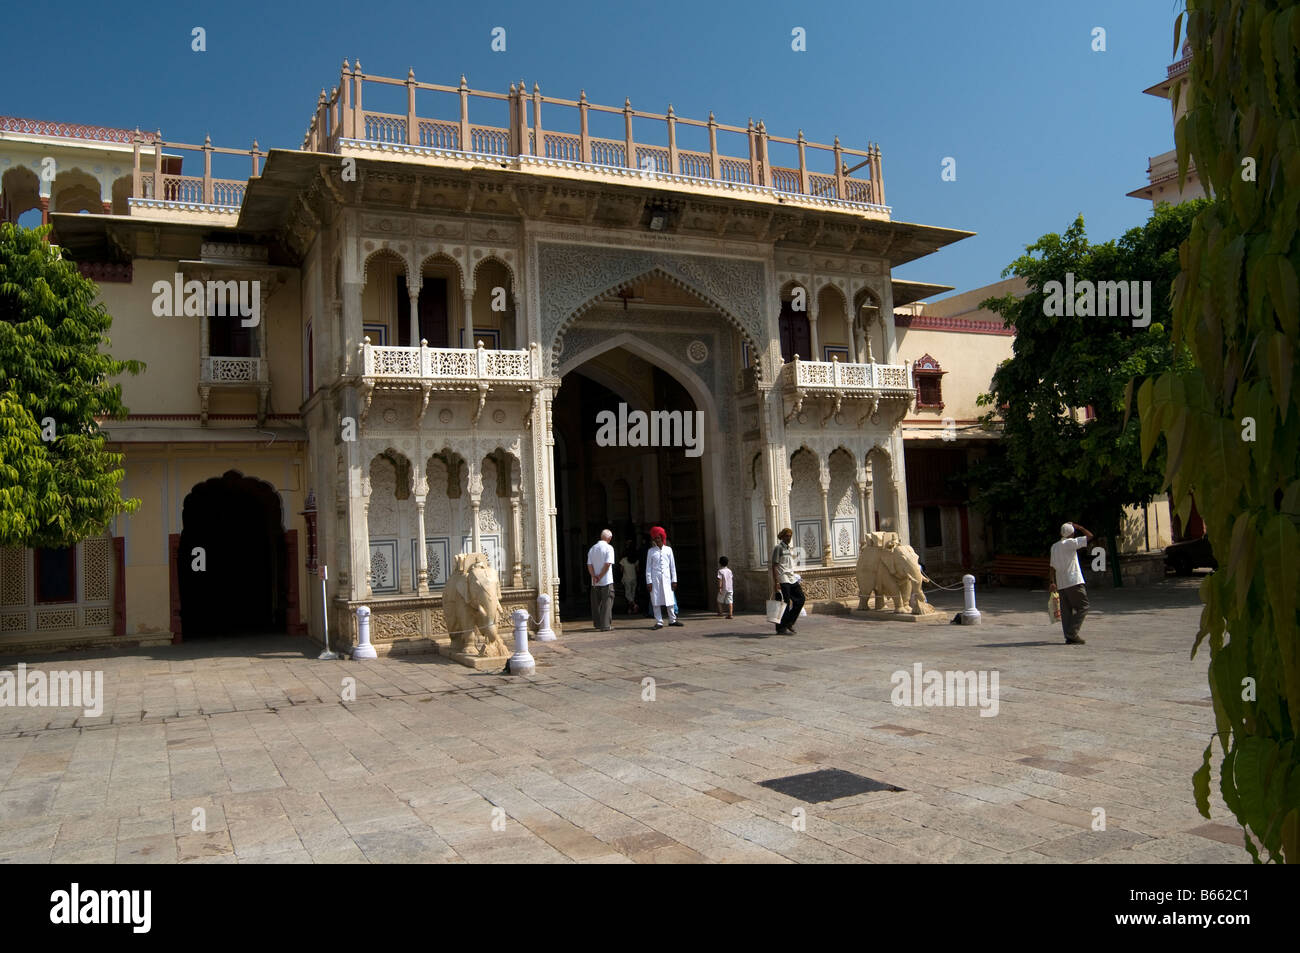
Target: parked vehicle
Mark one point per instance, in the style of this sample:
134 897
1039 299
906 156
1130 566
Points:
1184 556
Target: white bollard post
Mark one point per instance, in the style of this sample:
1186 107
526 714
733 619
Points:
364 649
544 633
969 615
522 662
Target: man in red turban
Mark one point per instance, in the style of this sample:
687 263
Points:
661 577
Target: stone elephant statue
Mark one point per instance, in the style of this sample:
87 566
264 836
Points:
874 576
471 606
889 567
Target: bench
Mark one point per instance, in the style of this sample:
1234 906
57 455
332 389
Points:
1038 567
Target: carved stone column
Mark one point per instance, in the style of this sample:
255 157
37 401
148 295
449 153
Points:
900 512
331 344
421 490
825 486
516 541
867 316
551 566
851 333
475 498
812 330
469 318
413 289
886 318
356 490
349 356
367 591
773 472
342 553
864 503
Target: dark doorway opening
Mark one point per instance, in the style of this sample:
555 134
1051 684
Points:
433 312
240 585
625 488
796 333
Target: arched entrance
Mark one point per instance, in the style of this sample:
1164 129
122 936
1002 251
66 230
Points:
240 583
629 485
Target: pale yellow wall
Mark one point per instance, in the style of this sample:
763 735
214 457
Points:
832 325
969 359
490 275
161 476
1157 532
284 346
379 298
967 304
170 347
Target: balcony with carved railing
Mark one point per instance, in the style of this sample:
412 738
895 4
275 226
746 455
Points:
850 379
232 370
821 174
448 365
835 382
426 369
233 373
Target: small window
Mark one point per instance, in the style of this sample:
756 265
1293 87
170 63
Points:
928 376
929 393
933 527
56 575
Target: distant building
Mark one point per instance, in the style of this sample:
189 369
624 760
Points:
953 346
1162 170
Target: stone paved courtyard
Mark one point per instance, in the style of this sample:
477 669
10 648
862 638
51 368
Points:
419 766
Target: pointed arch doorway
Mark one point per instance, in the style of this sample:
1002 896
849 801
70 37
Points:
627 488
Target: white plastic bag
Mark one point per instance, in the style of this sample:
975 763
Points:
775 609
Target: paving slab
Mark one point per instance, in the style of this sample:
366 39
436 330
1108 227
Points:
243 750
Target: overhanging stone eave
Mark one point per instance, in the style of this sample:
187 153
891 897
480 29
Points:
907 292
269 197
921 240
287 174
77 232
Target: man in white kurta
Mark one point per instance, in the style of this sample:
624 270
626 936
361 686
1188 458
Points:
661 577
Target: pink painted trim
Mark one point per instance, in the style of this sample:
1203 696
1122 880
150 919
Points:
70 130
923 322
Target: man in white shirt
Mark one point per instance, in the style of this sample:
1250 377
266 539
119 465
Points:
661 577
1067 579
600 566
785 582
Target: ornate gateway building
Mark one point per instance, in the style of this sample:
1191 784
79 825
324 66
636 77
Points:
443 307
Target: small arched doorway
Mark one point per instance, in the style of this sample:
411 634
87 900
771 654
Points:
231 563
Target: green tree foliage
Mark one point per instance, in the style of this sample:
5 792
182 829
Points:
1237 310
54 383
1051 467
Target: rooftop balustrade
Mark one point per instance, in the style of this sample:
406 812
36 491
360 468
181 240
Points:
165 183
820 174
341 120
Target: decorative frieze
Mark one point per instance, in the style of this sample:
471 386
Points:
575 277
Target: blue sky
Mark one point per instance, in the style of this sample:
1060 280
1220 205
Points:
1042 127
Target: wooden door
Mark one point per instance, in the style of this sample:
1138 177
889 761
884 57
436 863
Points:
796 334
